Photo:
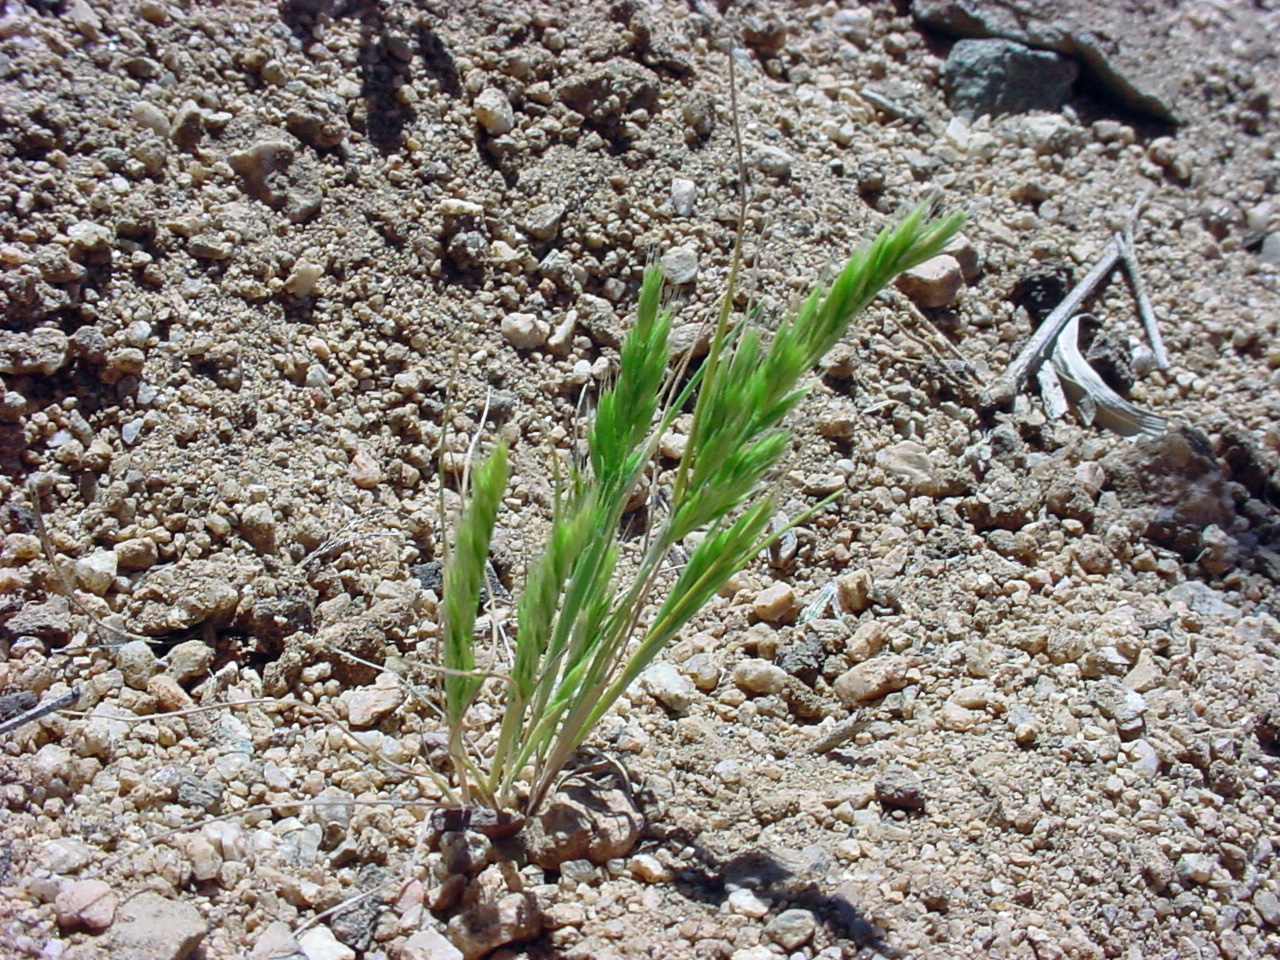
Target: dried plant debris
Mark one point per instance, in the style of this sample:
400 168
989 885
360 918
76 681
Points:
1093 397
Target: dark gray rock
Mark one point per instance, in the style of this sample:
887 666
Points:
1000 76
900 787
49 621
1130 54
802 656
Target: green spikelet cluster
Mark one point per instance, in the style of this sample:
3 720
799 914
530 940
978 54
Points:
579 637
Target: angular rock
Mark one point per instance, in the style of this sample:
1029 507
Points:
900 787
49 621
679 265
367 706
773 162
428 945
487 926
666 684
136 662
995 77
934 283
493 112
871 680
140 553
43 350
179 596
524 331
583 823
189 659
853 591
759 677
86 904
1129 56
65 855
791 929
775 602
911 462
1117 702
684 194
319 943
543 221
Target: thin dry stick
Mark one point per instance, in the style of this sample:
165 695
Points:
257 808
190 711
842 732
1055 400
1011 382
40 710
1128 253
939 342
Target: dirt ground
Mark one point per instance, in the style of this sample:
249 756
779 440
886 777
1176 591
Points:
1012 694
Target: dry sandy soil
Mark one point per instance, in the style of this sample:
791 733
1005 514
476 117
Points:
254 255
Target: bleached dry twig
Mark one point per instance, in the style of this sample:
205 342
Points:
1128 252
41 710
1038 348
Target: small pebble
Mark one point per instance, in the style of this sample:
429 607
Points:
136 662
665 683
319 943
524 331
900 787
679 265
759 677
791 929
494 112
189 659
684 194
774 162
935 283
647 868
775 602
871 680
746 903
86 904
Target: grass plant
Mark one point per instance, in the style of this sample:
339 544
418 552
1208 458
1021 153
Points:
582 635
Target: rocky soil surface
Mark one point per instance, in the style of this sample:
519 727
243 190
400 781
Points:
1012 694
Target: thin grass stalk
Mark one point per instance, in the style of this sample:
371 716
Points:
463 581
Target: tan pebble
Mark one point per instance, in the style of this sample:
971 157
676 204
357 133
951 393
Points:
775 602
524 331
364 470
747 904
139 553
647 868
303 278
89 904
954 717
428 945
367 706
1145 675
169 695
962 250
759 677
494 113
872 680
868 640
934 283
